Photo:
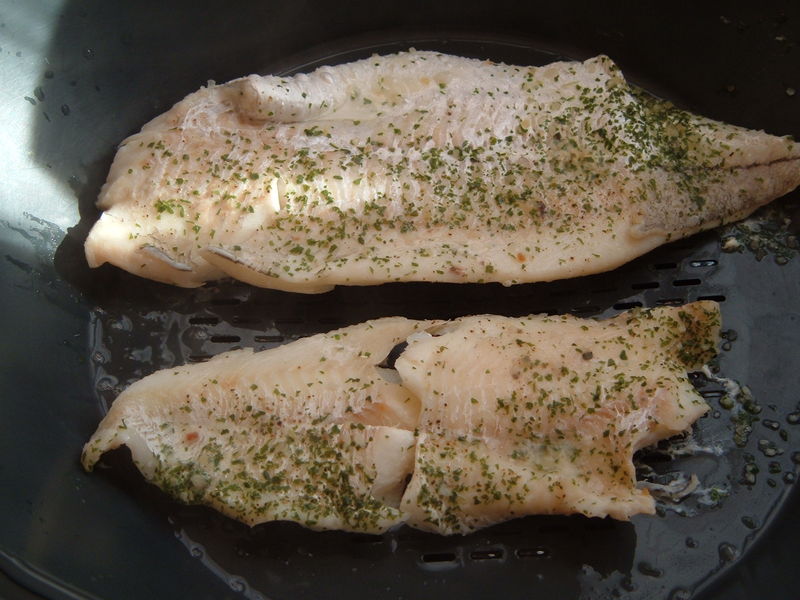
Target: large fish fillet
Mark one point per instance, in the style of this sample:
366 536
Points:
492 418
421 166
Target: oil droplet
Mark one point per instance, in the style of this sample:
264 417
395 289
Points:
789 477
774 467
768 448
790 91
196 551
680 594
793 418
31 100
64 109
728 552
770 424
752 406
691 542
749 522
645 568
771 482
39 93
88 54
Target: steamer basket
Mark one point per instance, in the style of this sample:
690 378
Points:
80 76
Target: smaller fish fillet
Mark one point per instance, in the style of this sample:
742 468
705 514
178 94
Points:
480 419
310 432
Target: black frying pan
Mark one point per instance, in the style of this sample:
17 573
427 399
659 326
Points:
80 76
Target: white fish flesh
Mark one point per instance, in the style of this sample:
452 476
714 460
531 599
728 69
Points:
310 432
490 417
424 167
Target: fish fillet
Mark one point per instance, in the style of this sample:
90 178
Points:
421 166
310 432
491 417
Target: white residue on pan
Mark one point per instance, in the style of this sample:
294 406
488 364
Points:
689 446
732 388
675 490
673 494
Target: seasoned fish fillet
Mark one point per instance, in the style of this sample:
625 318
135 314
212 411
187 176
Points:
421 166
543 414
491 417
310 432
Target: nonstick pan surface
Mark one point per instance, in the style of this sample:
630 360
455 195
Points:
80 76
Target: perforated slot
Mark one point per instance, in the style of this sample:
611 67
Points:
203 320
585 310
225 339
438 557
715 298
537 552
684 282
670 301
268 339
488 554
665 265
196 358
710 262
647 285
627 305
239 320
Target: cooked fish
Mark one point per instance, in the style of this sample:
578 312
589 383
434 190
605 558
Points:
543 414
421 166
311 432
491 417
